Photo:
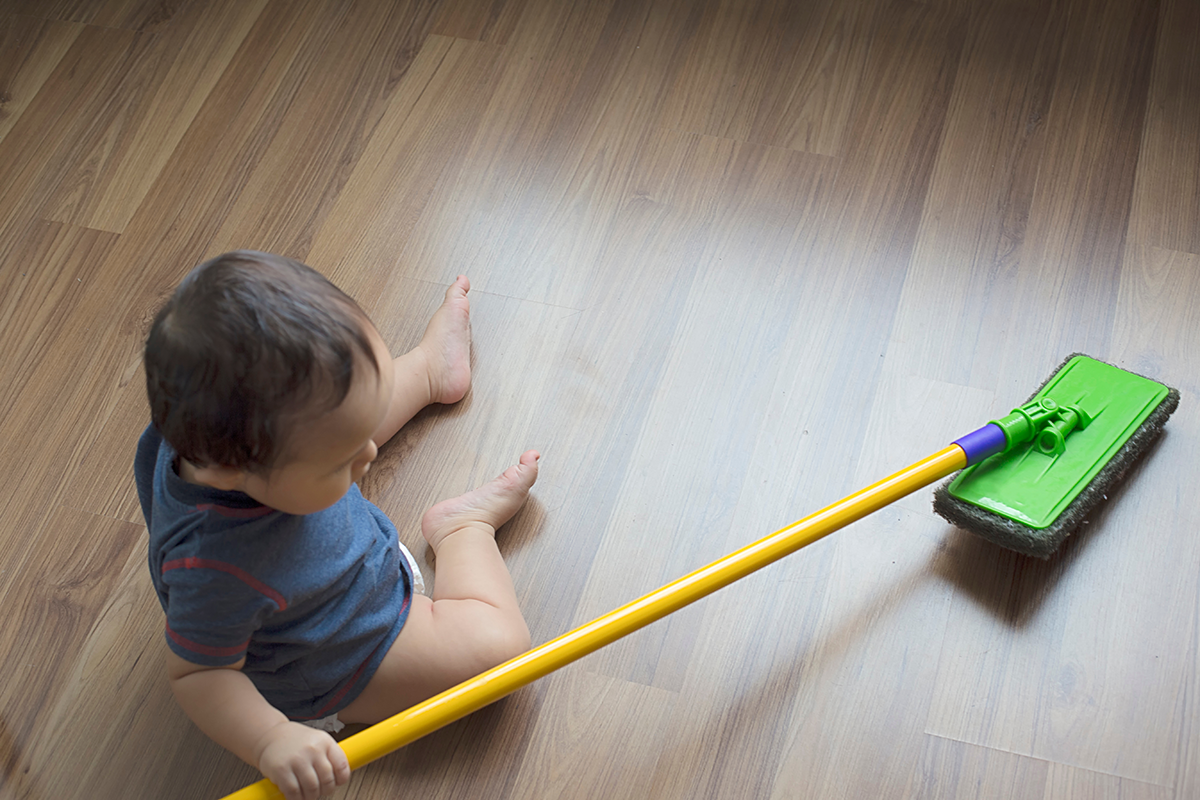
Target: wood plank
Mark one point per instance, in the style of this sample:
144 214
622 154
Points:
492 21
1156 322
1187 773
1074 237
706 338
199 184
706 407
882 613
772 645
773 72
1078 633
48 273
542 155
183 211
971 242
1166 200
30 49
90 741
43 270
343 84
54 599
100 483
1071 783
72 99
429 122
593 713
113 163
598 389
519 350
137 15
1096 653
954 770
196 189
64 409
479 754
95 169
854 261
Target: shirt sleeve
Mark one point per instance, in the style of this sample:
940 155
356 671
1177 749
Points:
143 469
213 609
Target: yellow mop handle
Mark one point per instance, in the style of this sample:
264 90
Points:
472 695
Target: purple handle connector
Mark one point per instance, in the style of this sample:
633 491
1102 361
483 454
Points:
987 441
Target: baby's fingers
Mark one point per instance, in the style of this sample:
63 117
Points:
301 783
337 769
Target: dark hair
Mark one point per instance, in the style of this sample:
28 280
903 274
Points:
249 345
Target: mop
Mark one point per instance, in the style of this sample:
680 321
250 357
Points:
1027 481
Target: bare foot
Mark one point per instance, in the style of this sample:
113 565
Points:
447 345
490 506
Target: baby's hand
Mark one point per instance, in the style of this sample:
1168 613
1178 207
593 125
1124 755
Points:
303 762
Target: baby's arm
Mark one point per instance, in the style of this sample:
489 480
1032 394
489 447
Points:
301 761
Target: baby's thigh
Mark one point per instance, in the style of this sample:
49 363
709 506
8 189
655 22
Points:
437 648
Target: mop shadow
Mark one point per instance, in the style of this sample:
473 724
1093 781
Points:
1015 587
487 745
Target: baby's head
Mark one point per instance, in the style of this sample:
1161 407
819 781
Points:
267 379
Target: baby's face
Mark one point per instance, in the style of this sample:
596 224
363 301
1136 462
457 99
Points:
330 453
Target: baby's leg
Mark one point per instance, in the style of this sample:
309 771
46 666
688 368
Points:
473 621
438 370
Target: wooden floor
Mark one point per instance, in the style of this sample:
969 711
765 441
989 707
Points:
731 259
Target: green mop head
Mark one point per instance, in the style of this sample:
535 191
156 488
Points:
1064 452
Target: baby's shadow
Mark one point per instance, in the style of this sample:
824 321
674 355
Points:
489 742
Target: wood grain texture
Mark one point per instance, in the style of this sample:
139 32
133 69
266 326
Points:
971 241
42 283
730 261
633 739
1166 201
34 155
1072 247
1071 783
772 72
492 21
324 128
168 78
737 273
137 15
62 591
950 769
419 139
49 274
29 51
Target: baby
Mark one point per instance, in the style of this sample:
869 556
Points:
288 596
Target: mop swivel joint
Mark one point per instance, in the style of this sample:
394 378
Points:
1045 422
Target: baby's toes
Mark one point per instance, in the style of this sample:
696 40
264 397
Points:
524 474
459 288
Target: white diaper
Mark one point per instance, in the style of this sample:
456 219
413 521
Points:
330 724
418 579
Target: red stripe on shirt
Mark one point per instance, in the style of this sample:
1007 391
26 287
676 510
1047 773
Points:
236 513
204 649
229 569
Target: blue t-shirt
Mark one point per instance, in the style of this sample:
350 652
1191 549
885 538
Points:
312 602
